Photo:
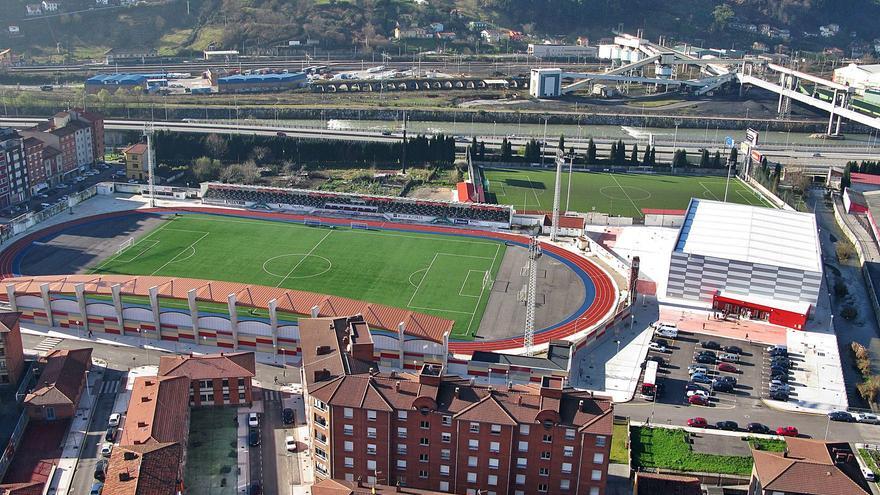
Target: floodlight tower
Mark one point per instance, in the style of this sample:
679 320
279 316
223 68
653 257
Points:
148 132
554 228
531 293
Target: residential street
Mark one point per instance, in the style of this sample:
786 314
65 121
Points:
83 477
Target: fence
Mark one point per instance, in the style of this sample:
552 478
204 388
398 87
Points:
14 442
763 191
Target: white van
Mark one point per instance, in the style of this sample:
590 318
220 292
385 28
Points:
667 330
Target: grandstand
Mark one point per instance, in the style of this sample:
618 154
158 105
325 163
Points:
383 207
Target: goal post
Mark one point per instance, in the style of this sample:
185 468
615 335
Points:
312 222
360 226
125 245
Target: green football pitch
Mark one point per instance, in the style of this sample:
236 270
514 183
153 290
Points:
616 194
439 275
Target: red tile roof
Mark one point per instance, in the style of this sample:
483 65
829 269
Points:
860 178
465 192
294 301
136 149
341 487
8 320
158 411
209 366
667 484
144 469
31 488
62 378
808 460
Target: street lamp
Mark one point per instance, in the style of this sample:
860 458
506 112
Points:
618 346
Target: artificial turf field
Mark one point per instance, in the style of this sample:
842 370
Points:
433 274
616 194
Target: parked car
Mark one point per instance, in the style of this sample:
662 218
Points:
693 386
722 386
697 422
669 332
705 352
729 357
110 434
287 415
114 420
253 437
705 359
710 344
778 350
778 370
663 342
106 449
778 395
728 368
290 443
727 425
654 346
281 134
696 368
97 488
780 377
701 393
757 428
841 416
733 349
101 469
698 400
659 359
869 418
255 488
253 420
701 378
787 431
784 388
727 378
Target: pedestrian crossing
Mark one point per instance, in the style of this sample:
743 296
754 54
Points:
47 344
272 395
110 387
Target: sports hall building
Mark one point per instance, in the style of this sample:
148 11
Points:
758 263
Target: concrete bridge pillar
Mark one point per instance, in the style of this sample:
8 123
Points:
47 303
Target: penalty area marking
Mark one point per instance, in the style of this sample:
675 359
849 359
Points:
464 282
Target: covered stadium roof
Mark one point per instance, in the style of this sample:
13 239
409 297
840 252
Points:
751 234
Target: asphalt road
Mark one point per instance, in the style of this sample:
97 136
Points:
272 445
83 477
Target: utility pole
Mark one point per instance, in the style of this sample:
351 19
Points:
531 296
403 152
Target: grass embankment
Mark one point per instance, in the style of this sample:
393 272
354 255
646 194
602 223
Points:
669 449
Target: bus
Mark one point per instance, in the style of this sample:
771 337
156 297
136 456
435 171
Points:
649 383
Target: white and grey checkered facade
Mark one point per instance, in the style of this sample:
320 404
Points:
697 277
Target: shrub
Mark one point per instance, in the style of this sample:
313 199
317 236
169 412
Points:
849 312
863 359
845 251
840 289
870 388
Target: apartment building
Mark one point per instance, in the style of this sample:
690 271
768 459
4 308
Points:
135 161
215 379
830 467
13 169
432 431
36 168
62 379
11 351
73 140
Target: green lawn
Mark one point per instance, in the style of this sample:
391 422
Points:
211 465
433 274
871 458
767 444
668 449
616 194
619 452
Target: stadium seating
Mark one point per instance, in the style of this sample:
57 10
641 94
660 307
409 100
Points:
357 203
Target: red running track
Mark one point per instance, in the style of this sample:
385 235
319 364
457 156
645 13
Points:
600 308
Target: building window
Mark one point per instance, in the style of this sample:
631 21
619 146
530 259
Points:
598 458
320 405
401 449
371 415
447 421
521 462
401 464
475 427
566 468
496 429
472 477
371 448
320 453
371 433
547 438
520 479
492 480
423 441
524 446
545 455
493 463
423 457
519 492
600 440
568 451
424 425
444 486
446 437
569 433
423 474
371 465
473 444
349 477
472 461
523 429
402 415
494 447
542 487
544 471
348 446
347 412
445 454
594 490
401 432
348 429
564 484
596 476
444 470
349 462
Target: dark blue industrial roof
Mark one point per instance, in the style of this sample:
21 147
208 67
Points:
261 78
102 79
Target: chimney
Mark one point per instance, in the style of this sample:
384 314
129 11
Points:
509 385
581 405
458 391
149 383
142 424
322 350
321 375
519 400
124 476
397 386
145 399
473 381
129 455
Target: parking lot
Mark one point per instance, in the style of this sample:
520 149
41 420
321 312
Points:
680 354
58 193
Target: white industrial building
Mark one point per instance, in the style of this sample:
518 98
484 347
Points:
545 83
563 51
858 76
752 262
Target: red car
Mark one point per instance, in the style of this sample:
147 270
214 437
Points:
698 400
728 368
787 431
698 423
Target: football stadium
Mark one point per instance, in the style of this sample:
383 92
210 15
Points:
616 194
